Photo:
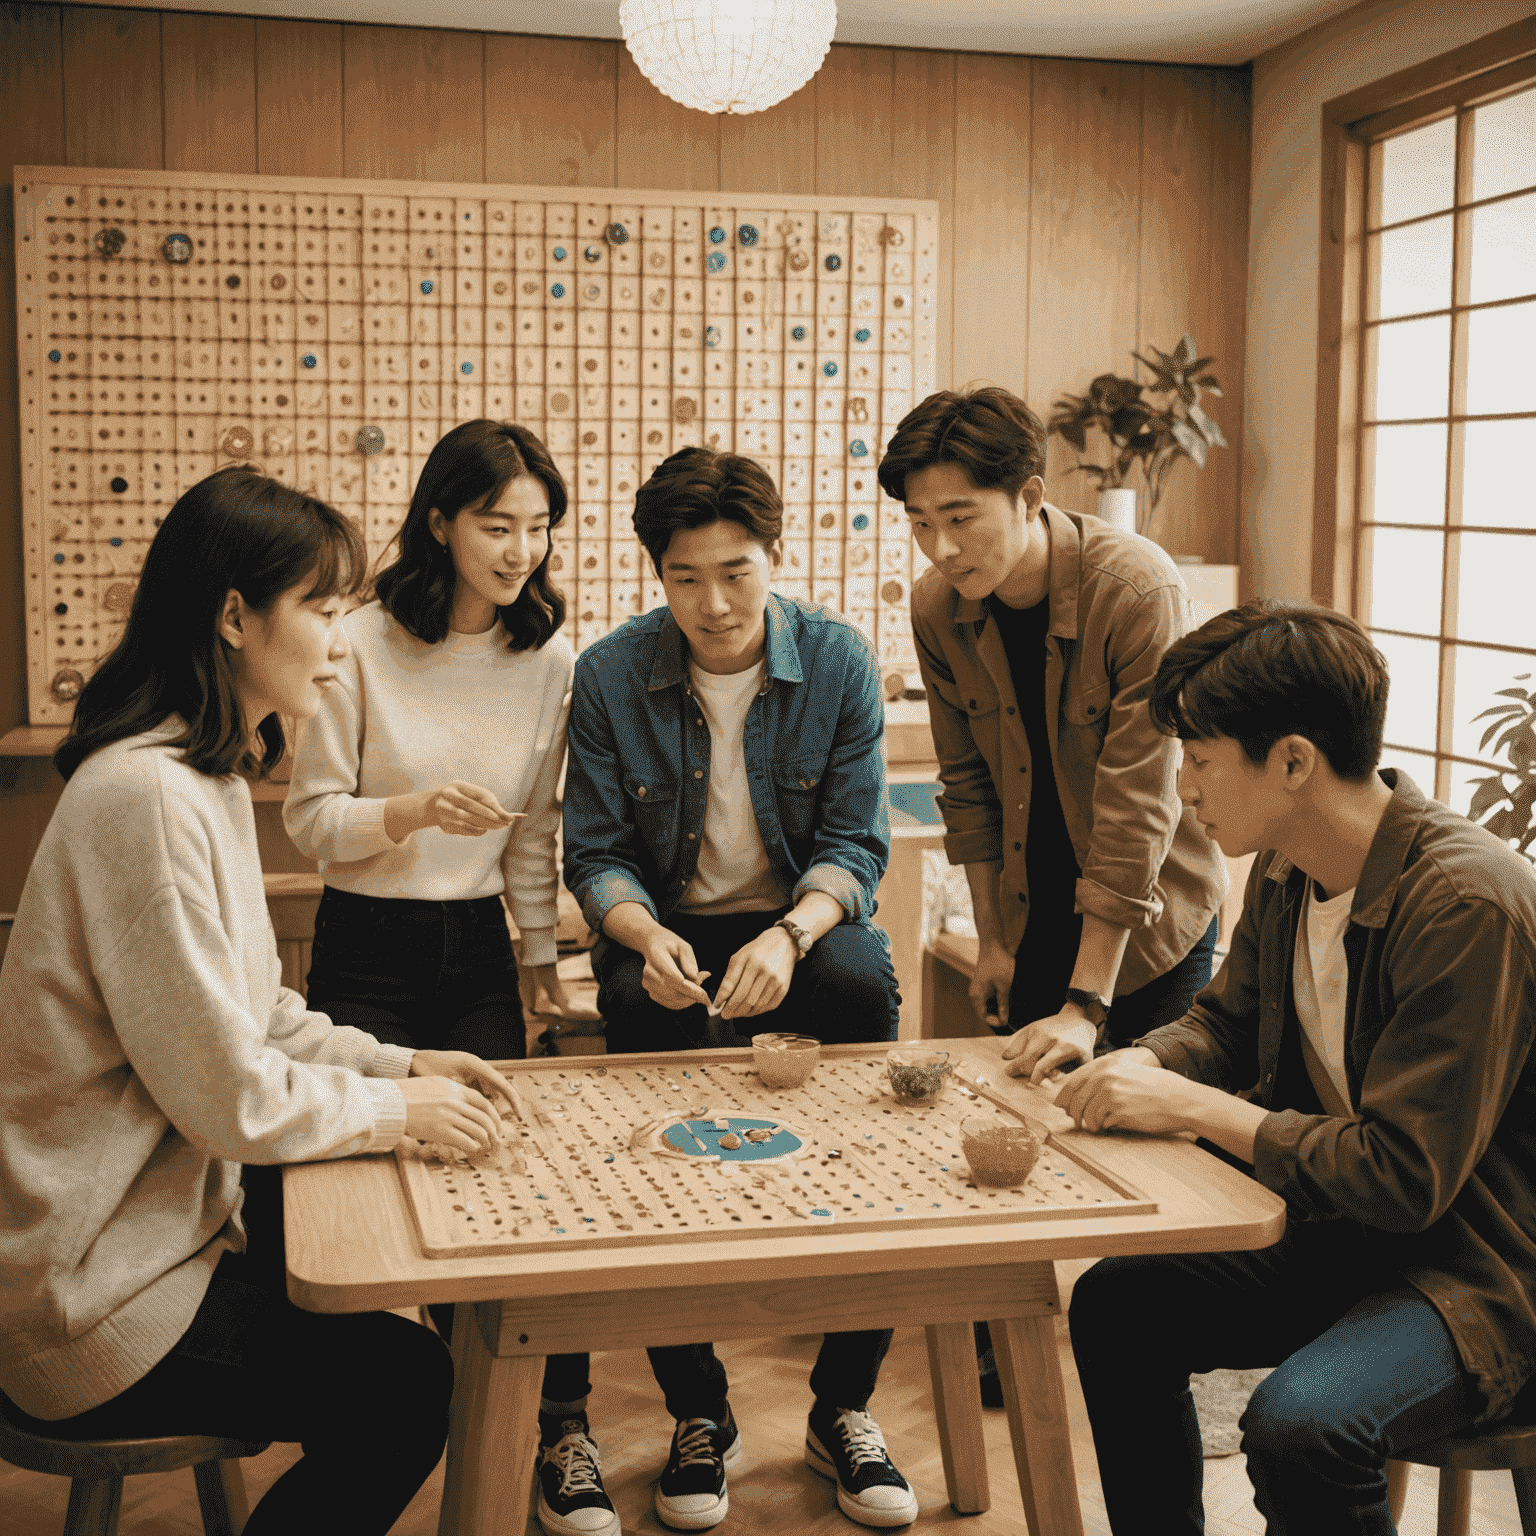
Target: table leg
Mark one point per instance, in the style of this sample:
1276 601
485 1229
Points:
1027 1363
957 1407
492 1434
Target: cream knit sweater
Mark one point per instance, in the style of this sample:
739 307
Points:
149 1049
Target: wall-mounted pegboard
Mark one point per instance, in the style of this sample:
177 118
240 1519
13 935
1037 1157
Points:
330 332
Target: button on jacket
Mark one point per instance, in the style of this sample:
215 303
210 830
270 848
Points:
1117 604
1437 1159
637 780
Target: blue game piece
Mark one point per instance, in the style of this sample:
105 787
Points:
830 369
309 360
798 333
557 290
715 261
426 285
857 448
466 367
860 522
716 235
862 334
559 253
55 355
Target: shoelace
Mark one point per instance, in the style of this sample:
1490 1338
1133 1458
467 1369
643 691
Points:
694 1448
862 1440
580 1468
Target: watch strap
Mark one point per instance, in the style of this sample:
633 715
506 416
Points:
803 940
1095 1009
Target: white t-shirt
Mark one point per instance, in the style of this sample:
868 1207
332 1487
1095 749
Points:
733 873
1320 980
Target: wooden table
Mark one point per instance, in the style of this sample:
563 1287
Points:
352 1247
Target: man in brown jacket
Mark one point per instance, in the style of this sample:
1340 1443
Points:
1379 1001
1038 633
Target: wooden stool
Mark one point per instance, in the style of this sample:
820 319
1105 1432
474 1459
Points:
97 1469
1506 1447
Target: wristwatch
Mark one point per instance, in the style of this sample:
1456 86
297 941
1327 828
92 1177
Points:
803 940
1095 1009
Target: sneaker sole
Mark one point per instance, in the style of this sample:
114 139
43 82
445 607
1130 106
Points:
702 1520
817 1460
557 1525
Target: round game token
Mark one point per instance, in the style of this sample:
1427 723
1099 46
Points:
798 333
833 262
559 253
177 249
66 685
54 355
862 334
617 234
309 360
715 261
426 285
466 368
109 242
593 253
858 448
830 369
860 522
370 440
557 290
746 235
717 236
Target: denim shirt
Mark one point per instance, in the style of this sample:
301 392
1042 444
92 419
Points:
637 779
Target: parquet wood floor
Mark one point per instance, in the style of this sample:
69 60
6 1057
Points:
773 1491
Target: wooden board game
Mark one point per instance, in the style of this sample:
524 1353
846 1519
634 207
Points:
590 1158
331 331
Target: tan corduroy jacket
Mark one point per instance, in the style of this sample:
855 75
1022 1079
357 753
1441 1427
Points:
1117 604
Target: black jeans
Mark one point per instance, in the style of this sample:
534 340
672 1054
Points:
428 975
1365 1367
844 991
366 1394
1161 1001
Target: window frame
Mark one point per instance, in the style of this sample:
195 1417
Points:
1491 67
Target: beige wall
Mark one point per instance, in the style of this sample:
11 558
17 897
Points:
1290 85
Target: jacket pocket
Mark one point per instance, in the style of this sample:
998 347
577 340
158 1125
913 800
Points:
797 793
1087 705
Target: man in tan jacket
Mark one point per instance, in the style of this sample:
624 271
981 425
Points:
1039 632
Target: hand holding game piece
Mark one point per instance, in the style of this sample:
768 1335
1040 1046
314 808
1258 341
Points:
462 1067
758 976
1050 1046
462 809
672 976
990 984
447 1112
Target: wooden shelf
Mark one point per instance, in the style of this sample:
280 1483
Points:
32 740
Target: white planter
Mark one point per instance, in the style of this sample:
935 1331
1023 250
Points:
1118 508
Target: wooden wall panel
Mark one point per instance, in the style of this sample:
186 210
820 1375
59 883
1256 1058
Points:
414 104
923 164
772 151
298 98
551 107
1174 263
1085 237
210 91
993 199
661 144
113 99
855 123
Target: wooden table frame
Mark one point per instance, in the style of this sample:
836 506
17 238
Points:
352 1247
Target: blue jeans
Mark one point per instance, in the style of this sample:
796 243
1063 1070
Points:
1364 1367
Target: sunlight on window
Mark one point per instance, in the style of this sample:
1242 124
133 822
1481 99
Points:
1405 473
1503 250
1497 487
1414 667
1495 591
1500 346
1478 675
1418 172
1410 363
1412 268
1503 135
1405 579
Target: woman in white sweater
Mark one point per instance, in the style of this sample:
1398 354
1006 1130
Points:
426 783
151 1049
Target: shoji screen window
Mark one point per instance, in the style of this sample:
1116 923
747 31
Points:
1446 565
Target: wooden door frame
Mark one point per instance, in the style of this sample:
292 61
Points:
1432 89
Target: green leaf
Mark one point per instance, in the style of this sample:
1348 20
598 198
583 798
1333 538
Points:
1489 793
1512 693
1190 441
1208 382
1497 709
1207 427
1497 725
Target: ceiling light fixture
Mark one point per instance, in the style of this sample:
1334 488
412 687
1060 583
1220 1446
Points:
728 55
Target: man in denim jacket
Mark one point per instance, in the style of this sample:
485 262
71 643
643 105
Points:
725 830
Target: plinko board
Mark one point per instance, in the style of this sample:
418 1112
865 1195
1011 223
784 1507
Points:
330 332
595 1155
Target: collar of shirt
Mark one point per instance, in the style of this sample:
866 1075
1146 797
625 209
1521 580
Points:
1065 541
671 664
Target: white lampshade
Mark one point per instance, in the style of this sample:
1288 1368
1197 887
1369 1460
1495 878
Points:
728 55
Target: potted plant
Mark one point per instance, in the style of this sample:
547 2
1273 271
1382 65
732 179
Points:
1506 810
1150 426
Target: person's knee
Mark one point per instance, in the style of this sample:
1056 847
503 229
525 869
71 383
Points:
1284 1424
854 986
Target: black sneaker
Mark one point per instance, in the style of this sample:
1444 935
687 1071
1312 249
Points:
846 1444
690 1495
572 1501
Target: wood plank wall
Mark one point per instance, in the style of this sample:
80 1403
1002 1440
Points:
1088 208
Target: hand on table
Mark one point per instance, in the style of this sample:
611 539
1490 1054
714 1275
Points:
462 1067
1130 1090
758 976
1050 1045
548 995
672 975
449 1112
990 984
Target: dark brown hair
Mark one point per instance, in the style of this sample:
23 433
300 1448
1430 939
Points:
698 486
235 531
1271 669
468 470
991 434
